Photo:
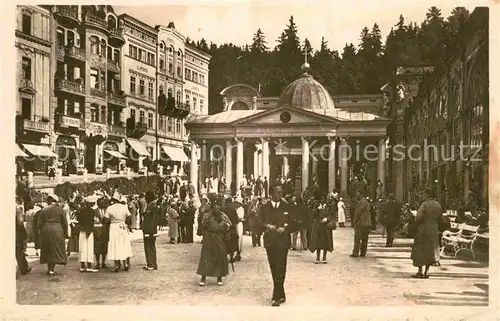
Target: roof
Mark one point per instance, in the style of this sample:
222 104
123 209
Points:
225 117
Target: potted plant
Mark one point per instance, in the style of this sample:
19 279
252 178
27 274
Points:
44 120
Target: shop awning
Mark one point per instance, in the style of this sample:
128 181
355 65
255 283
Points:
20 153
138 147
114 153
175 153
39 150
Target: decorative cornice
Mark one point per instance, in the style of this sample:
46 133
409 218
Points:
34 39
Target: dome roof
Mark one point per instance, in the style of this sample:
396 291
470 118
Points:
306 93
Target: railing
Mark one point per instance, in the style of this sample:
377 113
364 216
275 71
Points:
117 130
36 125
183 106
113 66
95 20
116 33
26 83
70 85
76 52
116 98
68 121
98 93
67 11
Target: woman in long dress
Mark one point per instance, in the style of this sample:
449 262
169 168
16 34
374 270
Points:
173 221
85 217
53 228
119 247
321 236
213 259
101 232
341 212
425 251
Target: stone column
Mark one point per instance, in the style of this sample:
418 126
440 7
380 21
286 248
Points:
344 170
229 163
265 158
255 164
305 163
286 168
203 162
314 167
239 163
193 170
381 161
332 169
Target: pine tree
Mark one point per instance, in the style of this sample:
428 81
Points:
259 44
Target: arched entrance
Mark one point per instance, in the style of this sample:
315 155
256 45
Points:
66 152
240 105
92 161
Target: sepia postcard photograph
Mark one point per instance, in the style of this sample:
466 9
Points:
283 158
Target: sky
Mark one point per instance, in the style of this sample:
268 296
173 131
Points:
340 22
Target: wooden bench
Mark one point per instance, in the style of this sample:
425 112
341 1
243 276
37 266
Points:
462 240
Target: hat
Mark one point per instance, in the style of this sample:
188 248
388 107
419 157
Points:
123 199
116 196
53 196
91 199
238 199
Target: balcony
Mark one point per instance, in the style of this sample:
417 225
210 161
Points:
93 21
70 122
136 129
181 110
98 93
36 126
116 38
116 98
70 86
117 130
76 53
113 66
67 16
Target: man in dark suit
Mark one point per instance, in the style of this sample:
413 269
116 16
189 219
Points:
276 219
362 223
391 216
149 229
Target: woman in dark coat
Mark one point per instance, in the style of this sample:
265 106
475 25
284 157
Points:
425 251
101 233
53 228
321 235
213 259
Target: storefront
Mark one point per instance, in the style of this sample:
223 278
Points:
38 159
136 153
174 158
112 157
67 154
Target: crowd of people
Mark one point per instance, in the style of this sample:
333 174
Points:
98 226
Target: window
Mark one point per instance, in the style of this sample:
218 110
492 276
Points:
60 37
150 120
94 45
132 114
142 89
177 126
116 58
142 55
179 69
132 51
169 124
26 68
179 53
142 117
103 48
170 49
202 79
110 54
103 81
71 38
151 59
94 78
103 115
94 112
26 108
27 23
161 125
194 103
132 84
195 77
187 73
201 106
187 99
150 89
162 64
178 96
170 66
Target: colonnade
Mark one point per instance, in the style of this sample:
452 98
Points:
261 165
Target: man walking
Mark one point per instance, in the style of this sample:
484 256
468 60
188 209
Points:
391 216
275 218
149 229
362 224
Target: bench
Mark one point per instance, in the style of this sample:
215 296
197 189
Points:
462 240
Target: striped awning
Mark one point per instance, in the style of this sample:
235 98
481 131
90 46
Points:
138 147
39 150
20 153
175 153
114 153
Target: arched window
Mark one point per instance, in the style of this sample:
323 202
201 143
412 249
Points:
94 45
170 92
112 23
94 112
103 48
161 89
162 45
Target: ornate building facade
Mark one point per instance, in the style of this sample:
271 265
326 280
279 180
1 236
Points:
33 105
447 110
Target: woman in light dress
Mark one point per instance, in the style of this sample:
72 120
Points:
173 221
85 216
341 212
119 247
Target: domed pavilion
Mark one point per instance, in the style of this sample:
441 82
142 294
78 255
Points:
304 135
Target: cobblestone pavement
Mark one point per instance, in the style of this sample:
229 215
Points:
381 278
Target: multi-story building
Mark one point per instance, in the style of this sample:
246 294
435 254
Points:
33 45
140 86
87 100
448 108
196 80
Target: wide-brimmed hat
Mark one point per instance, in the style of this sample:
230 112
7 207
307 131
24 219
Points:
53 196
116 196
91 199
